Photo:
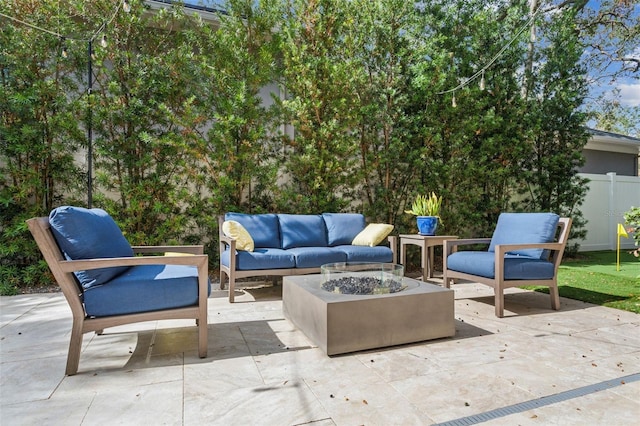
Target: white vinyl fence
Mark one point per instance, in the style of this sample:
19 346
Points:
608 198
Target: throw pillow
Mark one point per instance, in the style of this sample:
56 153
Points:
372 235
238 232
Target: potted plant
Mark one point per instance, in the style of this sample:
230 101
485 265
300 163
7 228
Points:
426 208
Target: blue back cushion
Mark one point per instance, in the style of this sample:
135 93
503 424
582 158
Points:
342 228
89 234
263 228
302 230
524 228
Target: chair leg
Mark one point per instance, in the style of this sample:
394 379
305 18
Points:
555 297
202 338
446 281
499 302
75 347
222 279
232 287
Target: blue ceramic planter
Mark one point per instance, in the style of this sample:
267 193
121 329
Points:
427 225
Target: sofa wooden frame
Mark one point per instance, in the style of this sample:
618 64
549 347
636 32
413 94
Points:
498 282
232 274
63 273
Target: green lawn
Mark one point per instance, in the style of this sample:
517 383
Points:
592 277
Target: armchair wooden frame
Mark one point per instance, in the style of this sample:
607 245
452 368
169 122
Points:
498 282
63 273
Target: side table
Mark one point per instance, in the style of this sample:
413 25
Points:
426 244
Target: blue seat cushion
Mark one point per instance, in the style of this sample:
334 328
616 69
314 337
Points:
342 228
516 267
302 230
263 228
525 228
366 254
314 257
260 258
89 234
144 288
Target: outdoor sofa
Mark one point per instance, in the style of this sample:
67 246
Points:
296 244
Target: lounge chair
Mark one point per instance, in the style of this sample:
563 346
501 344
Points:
525 250
107 286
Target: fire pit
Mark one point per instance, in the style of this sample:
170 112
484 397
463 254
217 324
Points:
362 278
340 323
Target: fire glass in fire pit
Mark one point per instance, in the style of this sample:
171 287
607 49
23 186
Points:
362 278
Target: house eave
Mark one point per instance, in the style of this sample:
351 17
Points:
612 142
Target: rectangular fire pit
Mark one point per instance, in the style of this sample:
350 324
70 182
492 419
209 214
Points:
341 323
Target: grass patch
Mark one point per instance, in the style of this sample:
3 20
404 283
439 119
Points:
592 277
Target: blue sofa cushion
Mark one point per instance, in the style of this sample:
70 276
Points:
516 267
366 254
144 288
525 228
314 257
89 234
260 258
342 228
263 228
302 230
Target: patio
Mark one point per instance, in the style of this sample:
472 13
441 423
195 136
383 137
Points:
579 365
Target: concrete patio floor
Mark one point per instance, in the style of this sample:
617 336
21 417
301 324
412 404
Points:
576 366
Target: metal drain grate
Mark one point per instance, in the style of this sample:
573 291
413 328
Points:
540 402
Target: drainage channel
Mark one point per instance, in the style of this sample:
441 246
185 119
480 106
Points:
540 402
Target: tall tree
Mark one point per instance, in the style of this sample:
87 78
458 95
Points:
388 42
39 132
145 120
557 133
240 58
318 73
472 139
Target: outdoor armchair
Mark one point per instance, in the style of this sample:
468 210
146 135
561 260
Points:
526 250
106 285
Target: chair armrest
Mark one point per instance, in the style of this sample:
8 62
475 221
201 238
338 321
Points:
87 264
502 249
393 245
450 245
227 241
193 249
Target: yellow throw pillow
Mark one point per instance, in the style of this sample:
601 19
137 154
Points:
238 232
372 235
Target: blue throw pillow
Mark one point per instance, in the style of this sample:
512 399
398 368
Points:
89 234
342 228
525 228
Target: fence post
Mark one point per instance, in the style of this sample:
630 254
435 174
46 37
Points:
613 216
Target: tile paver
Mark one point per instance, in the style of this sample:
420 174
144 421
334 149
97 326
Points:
261 370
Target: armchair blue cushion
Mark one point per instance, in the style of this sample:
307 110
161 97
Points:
89 234
525 228
482 263
144 288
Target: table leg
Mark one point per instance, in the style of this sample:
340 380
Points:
431 259
424 252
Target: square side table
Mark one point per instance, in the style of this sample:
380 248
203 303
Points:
426 244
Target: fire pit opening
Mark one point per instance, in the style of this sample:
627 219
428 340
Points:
362 278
